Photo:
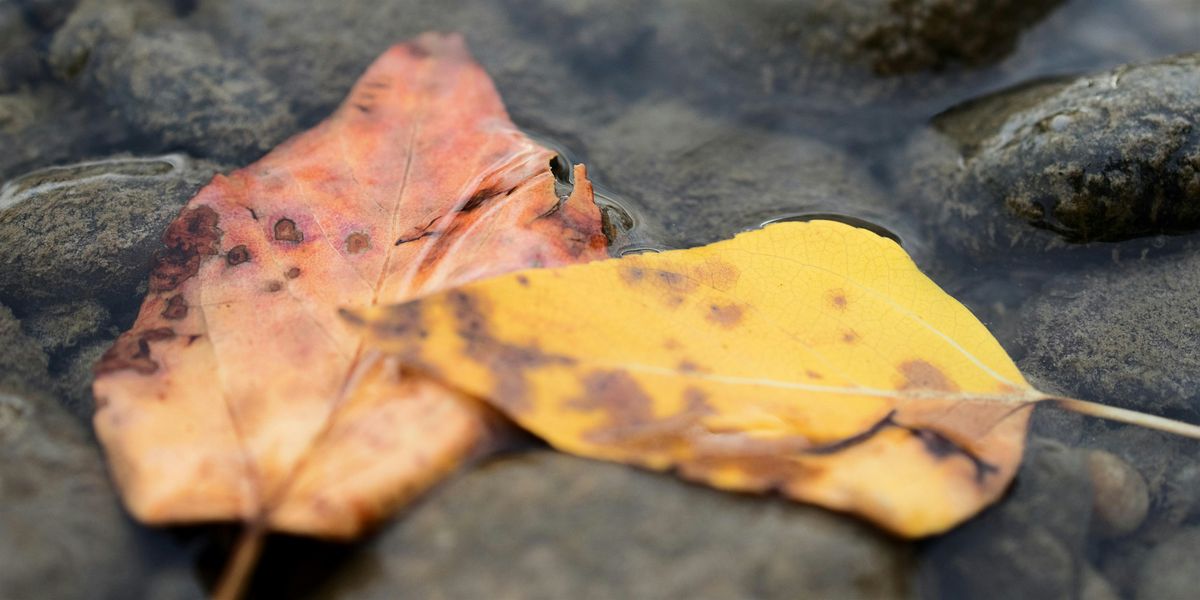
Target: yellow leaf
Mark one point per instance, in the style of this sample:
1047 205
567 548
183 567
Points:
811 358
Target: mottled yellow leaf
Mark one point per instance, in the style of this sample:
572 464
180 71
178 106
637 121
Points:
811 358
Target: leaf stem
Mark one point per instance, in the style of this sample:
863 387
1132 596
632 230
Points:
233 581
1132 417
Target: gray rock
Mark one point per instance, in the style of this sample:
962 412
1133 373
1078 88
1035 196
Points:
46 15
75 377
546 525
47 126
1176 500
20 61
62 532
1093 586
59 327
89 230
1121 499
1127 336
704 180
829 54
1172 570
930 34
179 89
1107 157
317 49
1030 545
23 365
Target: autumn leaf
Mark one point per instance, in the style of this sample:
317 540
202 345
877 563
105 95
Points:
811 358
239 394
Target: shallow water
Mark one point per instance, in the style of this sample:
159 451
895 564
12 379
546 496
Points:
680 186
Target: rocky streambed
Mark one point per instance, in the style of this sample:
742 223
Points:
1041 160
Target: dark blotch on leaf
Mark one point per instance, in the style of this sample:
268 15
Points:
920 375
175 309
728 315
237 255
286 231
188 239
357 242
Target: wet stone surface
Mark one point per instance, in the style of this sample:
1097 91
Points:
89 230
1107 157
62 531
535 525
992 137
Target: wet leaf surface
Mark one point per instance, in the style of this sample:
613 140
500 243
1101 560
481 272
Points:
239 394
813 358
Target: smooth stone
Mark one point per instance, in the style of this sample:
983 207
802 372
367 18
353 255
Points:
1172 570
1121 497
547 525
1029 545
1124 335
178 88
681 168
1055 163
62 531
89 230
64 326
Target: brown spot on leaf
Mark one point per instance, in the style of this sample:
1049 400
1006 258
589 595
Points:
813 375
850 337
274 286
921 375
160 333
507 362
837 299
687 366
237 255
132 351
523 281
632 275
695 400
286 231
681 284
175 309
188 239
357 242
619 395
292 273
725 315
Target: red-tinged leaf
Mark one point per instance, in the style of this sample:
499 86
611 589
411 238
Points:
240 394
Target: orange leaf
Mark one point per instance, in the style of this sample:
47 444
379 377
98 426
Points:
239 393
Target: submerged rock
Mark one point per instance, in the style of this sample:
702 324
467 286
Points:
89 230
828 55
179 88
550 526
1172 570
62 532
20 61
1107 157
1128 335
1030 545
1121 499
317 49
704 180
60 327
